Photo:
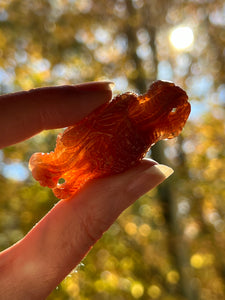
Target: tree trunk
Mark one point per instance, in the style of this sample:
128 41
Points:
176 245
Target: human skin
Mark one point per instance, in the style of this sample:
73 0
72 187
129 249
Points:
35 265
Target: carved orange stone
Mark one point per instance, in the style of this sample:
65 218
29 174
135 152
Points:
111 139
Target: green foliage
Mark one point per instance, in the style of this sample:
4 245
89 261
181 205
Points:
170 243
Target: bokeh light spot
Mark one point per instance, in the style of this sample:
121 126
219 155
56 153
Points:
137 290
144 230
131 228
173 277
154 291
197 261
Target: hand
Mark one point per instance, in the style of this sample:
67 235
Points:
34 266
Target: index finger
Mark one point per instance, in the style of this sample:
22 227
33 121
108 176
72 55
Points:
26 113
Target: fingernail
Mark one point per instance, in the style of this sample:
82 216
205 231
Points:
109 84
104 85
160 171
148 179
95 86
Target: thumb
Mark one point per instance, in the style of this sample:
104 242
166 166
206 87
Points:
105 199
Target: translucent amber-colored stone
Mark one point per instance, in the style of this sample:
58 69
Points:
112 138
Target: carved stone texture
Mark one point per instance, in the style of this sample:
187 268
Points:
111 139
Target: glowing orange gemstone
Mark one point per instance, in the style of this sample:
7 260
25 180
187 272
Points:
112 138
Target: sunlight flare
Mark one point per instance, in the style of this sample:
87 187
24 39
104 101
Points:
182 37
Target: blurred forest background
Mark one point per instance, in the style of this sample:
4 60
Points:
170 244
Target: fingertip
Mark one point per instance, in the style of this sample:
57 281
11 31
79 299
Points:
69 104
95 86
50 107
159 170
144 180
